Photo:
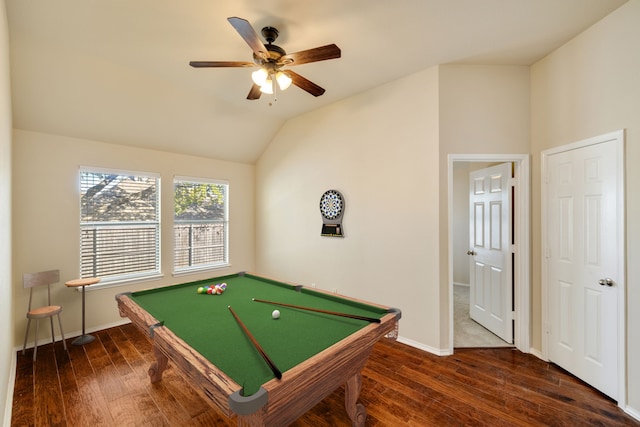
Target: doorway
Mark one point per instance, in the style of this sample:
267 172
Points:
521 258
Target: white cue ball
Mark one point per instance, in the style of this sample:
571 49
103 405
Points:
275 314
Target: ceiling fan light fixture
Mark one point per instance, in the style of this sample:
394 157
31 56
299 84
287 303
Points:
283 80
260 76
267 87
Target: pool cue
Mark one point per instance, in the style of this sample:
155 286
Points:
318 310
264 355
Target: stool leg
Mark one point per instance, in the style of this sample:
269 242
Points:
83 289
35 347
64 342
53 336
26 335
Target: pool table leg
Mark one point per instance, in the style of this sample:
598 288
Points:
157 368
357 412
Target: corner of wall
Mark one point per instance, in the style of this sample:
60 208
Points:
7 358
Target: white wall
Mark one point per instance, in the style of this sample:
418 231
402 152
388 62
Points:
46 217
6 308
381 152
589 87
484 109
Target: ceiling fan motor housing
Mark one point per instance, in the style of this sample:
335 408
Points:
270 34
274 52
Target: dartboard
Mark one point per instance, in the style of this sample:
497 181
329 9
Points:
331 204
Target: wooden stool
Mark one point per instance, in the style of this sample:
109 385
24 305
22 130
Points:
30 281
84 338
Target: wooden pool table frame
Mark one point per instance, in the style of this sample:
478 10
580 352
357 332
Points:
278 402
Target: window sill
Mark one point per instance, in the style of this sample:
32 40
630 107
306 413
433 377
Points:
124 282
202 269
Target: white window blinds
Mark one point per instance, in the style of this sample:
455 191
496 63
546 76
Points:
119 224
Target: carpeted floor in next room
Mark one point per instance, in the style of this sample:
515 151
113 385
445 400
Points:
468 333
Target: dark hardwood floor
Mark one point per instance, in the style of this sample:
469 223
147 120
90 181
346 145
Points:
105 383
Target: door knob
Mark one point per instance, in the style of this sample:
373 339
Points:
606 281
472 253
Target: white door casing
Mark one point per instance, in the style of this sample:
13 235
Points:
522 235
490 270
583 261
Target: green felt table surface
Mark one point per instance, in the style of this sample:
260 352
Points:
206 324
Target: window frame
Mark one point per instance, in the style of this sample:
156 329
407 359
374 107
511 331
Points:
226 225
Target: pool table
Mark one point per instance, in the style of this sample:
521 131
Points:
218 342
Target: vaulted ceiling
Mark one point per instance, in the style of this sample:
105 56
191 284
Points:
117 70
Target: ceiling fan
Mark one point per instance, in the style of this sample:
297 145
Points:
271 60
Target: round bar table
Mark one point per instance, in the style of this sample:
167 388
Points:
84 338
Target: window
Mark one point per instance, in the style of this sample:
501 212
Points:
119 225
201 224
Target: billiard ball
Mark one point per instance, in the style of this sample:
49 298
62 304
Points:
275 314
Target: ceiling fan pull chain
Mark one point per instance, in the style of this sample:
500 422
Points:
275 88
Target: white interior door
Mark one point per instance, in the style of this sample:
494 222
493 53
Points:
582 256
490 278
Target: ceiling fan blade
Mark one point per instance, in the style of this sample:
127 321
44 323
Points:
254 93
246 31
200 64
322 53
304 84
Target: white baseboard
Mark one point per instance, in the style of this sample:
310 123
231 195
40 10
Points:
420 346
537 353
632 412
